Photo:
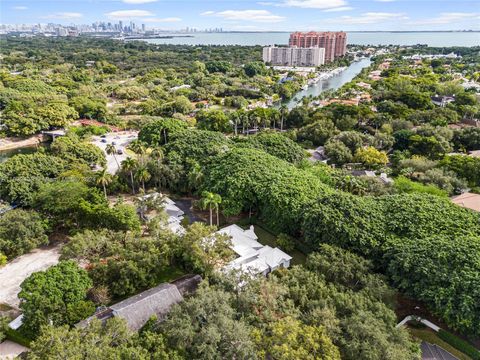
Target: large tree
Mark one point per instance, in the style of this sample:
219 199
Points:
55 296
205 326
21 231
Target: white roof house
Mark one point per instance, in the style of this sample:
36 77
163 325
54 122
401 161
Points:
253 257
175 214
171 208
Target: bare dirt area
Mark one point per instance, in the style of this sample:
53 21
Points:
15 143
13 274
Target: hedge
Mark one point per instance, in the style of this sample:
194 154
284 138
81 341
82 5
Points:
17 337
459 344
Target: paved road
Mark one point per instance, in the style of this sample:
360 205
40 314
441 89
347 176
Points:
13 274
121 140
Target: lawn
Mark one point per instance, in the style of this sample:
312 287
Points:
170 274
429 335
267 238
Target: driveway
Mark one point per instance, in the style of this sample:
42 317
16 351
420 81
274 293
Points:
13 274
121 140
10 350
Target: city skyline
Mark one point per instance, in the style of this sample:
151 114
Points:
280 15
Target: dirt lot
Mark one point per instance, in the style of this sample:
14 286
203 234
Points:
12 274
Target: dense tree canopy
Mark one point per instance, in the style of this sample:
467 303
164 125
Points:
21 231
22 175
56 296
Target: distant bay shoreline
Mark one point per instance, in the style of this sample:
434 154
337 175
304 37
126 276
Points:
430 38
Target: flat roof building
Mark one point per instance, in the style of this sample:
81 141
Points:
334 43
294 56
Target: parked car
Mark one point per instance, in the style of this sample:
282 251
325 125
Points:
119 152
114 143
103 140
103 136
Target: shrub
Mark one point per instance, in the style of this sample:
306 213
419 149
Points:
459 344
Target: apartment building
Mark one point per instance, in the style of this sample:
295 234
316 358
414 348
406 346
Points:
334 43
294 56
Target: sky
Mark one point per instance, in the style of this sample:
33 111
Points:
247 15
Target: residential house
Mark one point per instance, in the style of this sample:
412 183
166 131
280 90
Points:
435 352
471 122
157 301
253 257
175 214
368 173
442 101
175 88
318 154
364 85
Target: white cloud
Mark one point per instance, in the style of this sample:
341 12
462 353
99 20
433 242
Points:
310 4
246 15
138 1
63 16
342 8
369 18
19 8
127 14
162 20
446 18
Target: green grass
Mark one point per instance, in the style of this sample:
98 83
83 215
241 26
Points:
459 344
267 238
430 336
170 274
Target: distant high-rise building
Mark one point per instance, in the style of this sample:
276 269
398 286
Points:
143 27
334 43
294 56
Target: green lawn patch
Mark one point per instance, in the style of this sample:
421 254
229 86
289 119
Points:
432 337
170 274
267 238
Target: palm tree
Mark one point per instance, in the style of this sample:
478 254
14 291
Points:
104 178
112 150
217 201
210 200
234 117
130 164
157 155
283 112
139 149
195 176
143 175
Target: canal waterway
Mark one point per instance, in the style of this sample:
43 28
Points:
332 83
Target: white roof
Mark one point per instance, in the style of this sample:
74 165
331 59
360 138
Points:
171 208
250 264
273 256
241 239
254 258
16 323
174 225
